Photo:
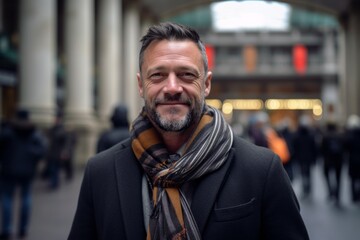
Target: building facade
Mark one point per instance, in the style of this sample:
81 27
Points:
79 57
286 73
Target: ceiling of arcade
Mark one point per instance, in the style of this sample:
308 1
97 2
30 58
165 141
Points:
163 9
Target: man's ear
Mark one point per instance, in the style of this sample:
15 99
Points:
208 84
140 85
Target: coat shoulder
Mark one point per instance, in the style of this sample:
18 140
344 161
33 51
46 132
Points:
247 151
253 161
120 153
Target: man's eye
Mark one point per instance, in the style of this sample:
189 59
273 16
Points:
156 76
187 75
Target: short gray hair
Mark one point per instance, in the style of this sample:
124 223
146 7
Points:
171 31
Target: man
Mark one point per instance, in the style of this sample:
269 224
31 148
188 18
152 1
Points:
60 153
119 130
21 147
182 174
333 151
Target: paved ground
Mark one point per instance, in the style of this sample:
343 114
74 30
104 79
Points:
324 221
53 212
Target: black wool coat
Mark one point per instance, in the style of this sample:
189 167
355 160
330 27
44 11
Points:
249 197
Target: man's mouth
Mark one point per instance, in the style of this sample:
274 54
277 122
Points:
172 103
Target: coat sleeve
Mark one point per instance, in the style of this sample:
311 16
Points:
83 226
281 211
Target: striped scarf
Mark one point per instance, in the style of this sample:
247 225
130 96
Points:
205 152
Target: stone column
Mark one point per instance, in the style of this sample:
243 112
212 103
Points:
331 87
330 101
342 75
109 64
37 59
329 54
79 113
352 34
130 60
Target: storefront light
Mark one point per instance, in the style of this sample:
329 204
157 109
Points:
292 104
245 104
227 108
273 104
229 105
317 110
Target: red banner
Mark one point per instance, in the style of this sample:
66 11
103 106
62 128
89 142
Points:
300 56
210 52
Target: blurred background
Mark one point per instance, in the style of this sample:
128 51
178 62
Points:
280 64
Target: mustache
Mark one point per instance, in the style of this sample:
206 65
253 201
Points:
173 98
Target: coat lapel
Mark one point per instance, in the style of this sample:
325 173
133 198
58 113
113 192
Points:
129 177
205 194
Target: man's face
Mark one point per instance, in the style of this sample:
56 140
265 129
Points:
173 84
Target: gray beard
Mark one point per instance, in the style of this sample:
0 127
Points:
176 125
173 126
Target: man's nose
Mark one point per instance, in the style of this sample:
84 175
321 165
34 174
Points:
173 85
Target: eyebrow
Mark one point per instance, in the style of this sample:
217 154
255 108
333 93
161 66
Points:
181 68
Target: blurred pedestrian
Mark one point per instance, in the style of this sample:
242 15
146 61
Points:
277 144
59 154
21 147
264 135
332 149
305 153
119 130
353 150
256 131
284 130
67 157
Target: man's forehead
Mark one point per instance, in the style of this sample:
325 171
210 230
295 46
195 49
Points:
174 49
